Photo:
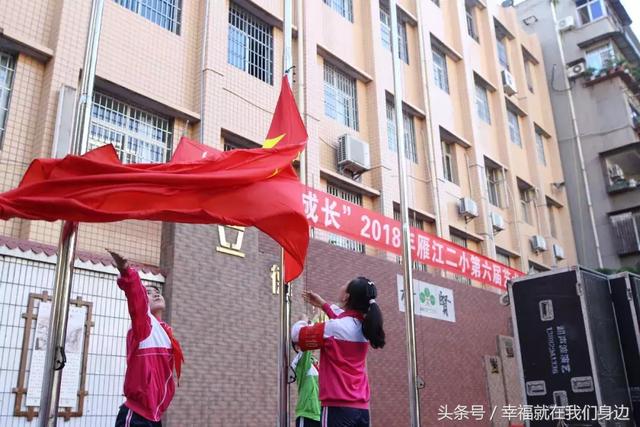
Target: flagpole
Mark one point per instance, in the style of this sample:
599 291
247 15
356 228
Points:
414 398
284 340
55 355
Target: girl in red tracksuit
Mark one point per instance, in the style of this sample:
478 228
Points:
152 353
344 341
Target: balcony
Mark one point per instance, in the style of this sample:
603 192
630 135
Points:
623 168
630 75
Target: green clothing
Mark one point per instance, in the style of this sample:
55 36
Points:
307 378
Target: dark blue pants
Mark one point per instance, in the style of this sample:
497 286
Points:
127 418
337 416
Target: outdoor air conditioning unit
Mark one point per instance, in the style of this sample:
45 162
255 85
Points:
353 154
468 208
616 173
508 83
558 251
577 70
497 221
538 244
566 24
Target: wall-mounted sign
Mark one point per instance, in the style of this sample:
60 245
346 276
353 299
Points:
429 300
227 247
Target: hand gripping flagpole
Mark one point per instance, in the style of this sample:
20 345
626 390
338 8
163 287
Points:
414 398
55 356
284 339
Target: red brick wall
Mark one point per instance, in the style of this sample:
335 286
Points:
226 317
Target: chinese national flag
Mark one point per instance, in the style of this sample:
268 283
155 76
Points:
200 185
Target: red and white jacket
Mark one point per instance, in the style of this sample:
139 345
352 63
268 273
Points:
148 383
343 355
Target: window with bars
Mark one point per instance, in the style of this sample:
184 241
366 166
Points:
535 268
472 28
166 13
494 179
503 258
137 135
250 44
349 196
601 57
7 71
385 32
340 98
440 73
590 10
343 7
449 161
540 138
414 222
626 228
482 103
514 127
460 241
410 150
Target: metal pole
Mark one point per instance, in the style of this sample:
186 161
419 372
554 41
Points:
576 132
414 398
55 357
284 340
301 84
204 68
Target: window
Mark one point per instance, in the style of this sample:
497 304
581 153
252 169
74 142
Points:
635 115
535 268
354 198
626 227
525 201
540 147
601 57
471 22
503 58
449 162
460 241
409 133
528 75
494 178
414 222
440 74
551 210
166 13
385 32
482 103
250 46
7 70
514 128
340 100
503 257
137 135
343 7
590 10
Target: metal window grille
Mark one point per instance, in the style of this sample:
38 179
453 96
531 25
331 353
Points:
601 57
514 128
385 32
626 227
340 98
250 44
410 150
343 7
440 73
137 135
166 13
540 148
482 103
7 71
354 198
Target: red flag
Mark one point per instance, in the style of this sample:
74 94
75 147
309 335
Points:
256 187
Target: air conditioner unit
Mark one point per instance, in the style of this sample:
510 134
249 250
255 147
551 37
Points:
497 221
508 83
538 244
616 173
558 251
576 70
468 208
566 24
353 154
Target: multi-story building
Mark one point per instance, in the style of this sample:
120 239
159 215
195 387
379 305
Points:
601 58
484 170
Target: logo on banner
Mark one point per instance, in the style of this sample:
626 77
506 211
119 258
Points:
429 300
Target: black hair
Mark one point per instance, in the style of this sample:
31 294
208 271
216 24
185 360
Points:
361 291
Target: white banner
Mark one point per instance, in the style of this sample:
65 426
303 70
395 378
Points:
74 344
429 300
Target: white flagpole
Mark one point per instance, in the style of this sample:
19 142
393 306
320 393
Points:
414 398
55 357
